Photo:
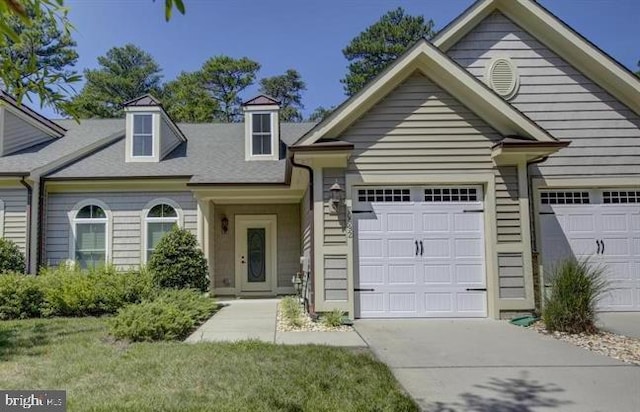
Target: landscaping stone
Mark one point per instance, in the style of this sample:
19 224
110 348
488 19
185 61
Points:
308 325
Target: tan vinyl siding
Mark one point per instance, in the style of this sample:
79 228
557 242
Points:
306 215
420 128
507 205
168 139
334 222
19 134
603 131
126 209
511 276
15 215
288 229
335 277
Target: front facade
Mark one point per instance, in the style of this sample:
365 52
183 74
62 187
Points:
447 187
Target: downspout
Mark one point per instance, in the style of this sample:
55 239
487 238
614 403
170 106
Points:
310 282
27 249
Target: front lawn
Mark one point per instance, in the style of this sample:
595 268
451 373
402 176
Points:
100 374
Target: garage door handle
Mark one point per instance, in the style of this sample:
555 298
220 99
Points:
417 248
602 243
598 244
363 290
421 248
476 289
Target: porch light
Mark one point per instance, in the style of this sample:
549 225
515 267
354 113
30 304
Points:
225 224
336 194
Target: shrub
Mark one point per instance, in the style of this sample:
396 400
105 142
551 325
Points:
177 262
172 315
333 318
70 291
576 287
11 258
291 310
21 297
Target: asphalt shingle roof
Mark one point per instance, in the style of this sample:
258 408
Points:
214 153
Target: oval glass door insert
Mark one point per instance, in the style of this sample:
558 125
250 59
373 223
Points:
256 250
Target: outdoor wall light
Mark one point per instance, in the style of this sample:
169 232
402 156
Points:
225 224
336 194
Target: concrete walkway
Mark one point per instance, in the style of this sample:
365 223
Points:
485 365
621 323
255 319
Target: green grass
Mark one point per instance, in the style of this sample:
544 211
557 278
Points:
100 374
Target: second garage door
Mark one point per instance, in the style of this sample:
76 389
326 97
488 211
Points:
420 252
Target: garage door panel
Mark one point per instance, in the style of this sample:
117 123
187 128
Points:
467 222
371 303
615 222
437 274
370 248
400 222
402 302
580 223
371 274
468 248
470 275
401 248
439 302
437 248
616 247
435 222
618 299
402 274
470 302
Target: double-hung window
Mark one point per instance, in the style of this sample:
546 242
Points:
90 236
261 134
142 135
160 220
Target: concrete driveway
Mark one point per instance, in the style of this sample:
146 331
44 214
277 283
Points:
622 323
484 365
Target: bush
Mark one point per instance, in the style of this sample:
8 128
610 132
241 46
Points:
21 296
11 258
291 311
70 291
172 315
332 319
576 287
177 262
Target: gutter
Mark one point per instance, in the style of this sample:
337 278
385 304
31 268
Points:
310 170
27 249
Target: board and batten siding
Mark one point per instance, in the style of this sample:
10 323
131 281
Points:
19 134
288 237
509 227
126 209
15 216
334 221
604 133
168 139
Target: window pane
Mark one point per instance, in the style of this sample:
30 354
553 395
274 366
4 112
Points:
90 259
97 212
142 124
162 210
155 232
90 236
261 145
84 213
142 145
261 123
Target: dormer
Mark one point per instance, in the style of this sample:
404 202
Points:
150 133
262 128
21 127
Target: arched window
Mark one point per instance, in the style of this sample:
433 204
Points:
159 220
90 235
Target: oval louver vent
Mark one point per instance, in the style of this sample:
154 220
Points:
503 78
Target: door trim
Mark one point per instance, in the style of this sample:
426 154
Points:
270 222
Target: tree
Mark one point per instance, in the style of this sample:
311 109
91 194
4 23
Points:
223 78
186 101
287 89
125 73
380 44
38 60
320 113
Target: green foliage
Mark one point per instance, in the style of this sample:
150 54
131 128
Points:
170 316
177 262
291 310
125 73
576 287
11 258
287 89
380 44
21 297
333 318
320 113
223 78
186 101
70 291
37 52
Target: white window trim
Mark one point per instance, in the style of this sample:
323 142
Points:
2 218
275 135
144 220
155 136
73 220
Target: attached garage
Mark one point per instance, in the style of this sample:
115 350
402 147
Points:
603 225
420 252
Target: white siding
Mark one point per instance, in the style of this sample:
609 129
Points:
19 134
604 132
126 209
15 215
334 221
168 139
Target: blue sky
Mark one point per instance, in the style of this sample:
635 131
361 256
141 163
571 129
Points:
301 34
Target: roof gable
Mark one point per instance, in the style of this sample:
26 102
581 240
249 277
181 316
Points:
144 100
261 100
557 36
36 119
425 58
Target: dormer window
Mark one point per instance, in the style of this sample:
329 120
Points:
261 137
142 135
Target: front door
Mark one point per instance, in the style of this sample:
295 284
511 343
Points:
255 253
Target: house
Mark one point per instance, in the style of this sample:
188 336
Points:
445 188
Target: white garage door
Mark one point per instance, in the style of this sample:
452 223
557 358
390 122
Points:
420 253
603 225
